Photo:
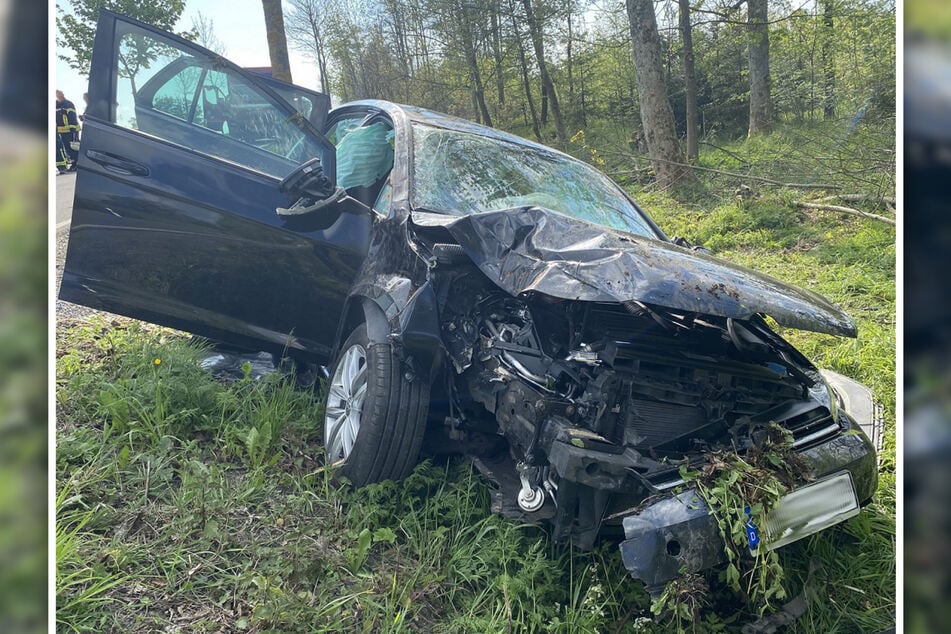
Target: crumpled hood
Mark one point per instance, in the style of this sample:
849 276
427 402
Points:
534 249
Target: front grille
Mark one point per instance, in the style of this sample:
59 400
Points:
811 427
652 423
690 384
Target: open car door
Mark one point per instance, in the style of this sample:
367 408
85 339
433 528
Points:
313 105
174 219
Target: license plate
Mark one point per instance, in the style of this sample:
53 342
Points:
808 510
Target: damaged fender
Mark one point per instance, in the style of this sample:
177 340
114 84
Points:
396 311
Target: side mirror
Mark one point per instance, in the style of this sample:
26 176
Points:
313 189
308 180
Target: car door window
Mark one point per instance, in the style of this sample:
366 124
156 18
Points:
384 200
177 95
301 101
169 92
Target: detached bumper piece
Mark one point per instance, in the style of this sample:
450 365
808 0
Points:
677 535
673 536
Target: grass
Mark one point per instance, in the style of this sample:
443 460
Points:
23 399
188 502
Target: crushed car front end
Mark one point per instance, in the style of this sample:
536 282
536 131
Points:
587 365
601 404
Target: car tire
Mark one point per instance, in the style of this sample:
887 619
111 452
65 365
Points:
374 412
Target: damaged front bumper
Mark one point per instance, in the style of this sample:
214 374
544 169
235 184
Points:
677 535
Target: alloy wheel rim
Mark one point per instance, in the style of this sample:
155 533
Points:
346 394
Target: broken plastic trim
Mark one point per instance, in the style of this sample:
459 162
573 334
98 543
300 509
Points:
231 366
302 207
857 400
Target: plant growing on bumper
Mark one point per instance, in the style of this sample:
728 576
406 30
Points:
740 491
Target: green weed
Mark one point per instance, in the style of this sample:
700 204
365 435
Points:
82 582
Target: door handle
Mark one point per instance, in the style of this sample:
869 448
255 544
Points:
117 164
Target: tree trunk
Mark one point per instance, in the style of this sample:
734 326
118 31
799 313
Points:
276 40
396 9
690 81
548 87
827 58
523 63
656 114
477 87
307 27
536 129
757 24
544 95
462 21
322 67
571 82
497 52
581 85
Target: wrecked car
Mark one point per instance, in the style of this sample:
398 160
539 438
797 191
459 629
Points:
466 288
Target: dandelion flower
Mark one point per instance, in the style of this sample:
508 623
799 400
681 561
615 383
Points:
157 361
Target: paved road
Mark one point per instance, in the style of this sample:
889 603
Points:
65 184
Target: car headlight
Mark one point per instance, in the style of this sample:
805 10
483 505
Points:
823 393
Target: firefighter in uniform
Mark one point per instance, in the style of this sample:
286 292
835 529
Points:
62 159
67 131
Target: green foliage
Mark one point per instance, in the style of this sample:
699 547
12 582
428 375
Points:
683 599
76 26
388 50
82 584
23 397
190 519
739 490
928 17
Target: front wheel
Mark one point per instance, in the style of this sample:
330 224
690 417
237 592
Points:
374 413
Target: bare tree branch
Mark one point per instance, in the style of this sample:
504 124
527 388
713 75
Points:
845 210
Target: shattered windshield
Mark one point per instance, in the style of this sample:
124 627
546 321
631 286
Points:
463 173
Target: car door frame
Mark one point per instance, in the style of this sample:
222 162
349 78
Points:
102 115
102 81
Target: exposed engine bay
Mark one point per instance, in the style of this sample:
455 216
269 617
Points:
580 410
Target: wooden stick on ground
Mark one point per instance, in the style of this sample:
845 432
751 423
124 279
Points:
845 210
885 200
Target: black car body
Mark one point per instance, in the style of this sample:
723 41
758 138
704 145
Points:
467 288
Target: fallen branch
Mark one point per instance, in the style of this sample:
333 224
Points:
845 210
760 179
885 200
725 151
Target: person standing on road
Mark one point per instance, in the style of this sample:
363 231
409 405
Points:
62 159
67 130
